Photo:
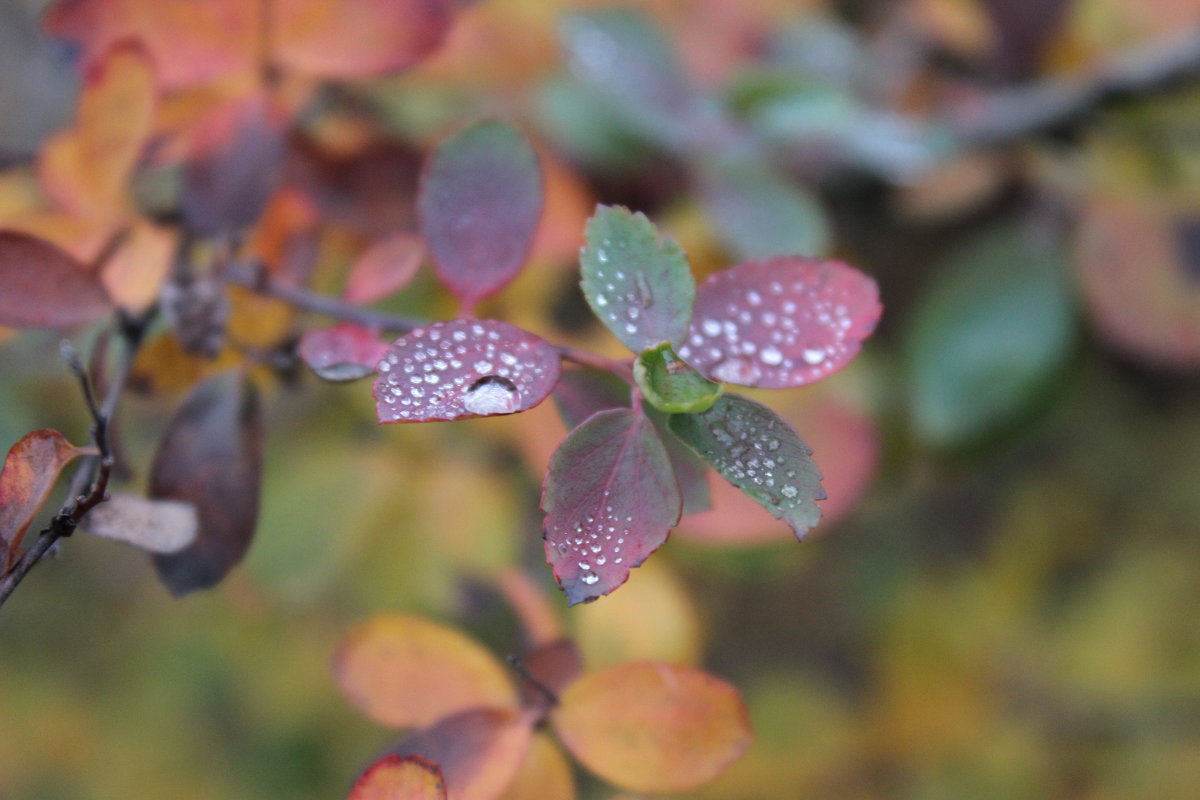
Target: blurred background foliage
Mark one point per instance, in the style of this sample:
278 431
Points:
999 603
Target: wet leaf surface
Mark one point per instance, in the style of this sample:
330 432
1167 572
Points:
781 322
610 499
344 352
638 283
756 450
463 368
651 727
480 201
43 287
400 778
407 671
31 468
159 526
211 457
582 392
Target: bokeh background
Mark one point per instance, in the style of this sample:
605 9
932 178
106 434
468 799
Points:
1001 600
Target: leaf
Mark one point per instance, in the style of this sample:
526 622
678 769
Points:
356 38
30 470
463 368
545 774
479 751
211 456
629 60
160 526
636 282
479 202
782 322
651 727
400 778
554 665
387 266
190 43
691 471
407 671
343 352
236 152
610 499
670 384
582 392
988 335
86 169
134 275
758 452
43 287
758 214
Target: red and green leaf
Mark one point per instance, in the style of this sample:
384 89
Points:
464 368
610 499
758 452
31 468
400 778
42 286
638 283
344 352
479 202
211 456
781 322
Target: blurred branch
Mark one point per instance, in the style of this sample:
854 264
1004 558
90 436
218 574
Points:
1015 113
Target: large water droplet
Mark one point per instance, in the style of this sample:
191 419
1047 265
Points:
491 395
711 327
771 356
813 356
589 578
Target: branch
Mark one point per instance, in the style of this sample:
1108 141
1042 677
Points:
1016 113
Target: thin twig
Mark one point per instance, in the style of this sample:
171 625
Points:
519 667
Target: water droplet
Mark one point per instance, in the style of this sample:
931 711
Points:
589 578
601 300
737 370
753 298
602 256
484 367
630 327
771 356
813 356
773 444
789 492
711 327
491 395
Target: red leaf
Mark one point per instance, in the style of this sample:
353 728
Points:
387 266
464 368
610 499
555 665
43 287
356 38
211 456
30 470
345 352
234 165
400 778
781 322
479 203
479 750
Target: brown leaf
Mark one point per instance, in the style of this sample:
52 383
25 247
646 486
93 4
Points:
42 286
651 727
160 526
479 751
407 671
211 456
399 778
32 466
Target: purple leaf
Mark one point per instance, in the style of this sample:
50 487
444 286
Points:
781 322
758 452
636 282
464 368
582 392
211 457
345 352
610 499
42 286
479 203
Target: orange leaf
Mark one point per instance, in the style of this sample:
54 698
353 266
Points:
479 751
136 272
385 267
651 727
544 775
32 466
356 38
406 671
399 778
539 620
86 168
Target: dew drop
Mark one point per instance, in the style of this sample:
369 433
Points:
601 300
602 256
737 370
589 578
771 356
711 327
491 395
789 492
484 367
813 356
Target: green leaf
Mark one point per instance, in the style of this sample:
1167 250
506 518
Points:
758 452
988 335
636 282
671 385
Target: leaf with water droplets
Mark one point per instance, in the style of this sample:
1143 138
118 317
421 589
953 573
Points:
42 286
32 466
480 201
464 368
756 451
344 352
651 727
671 385
396 777
610 499
781 322
637 282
